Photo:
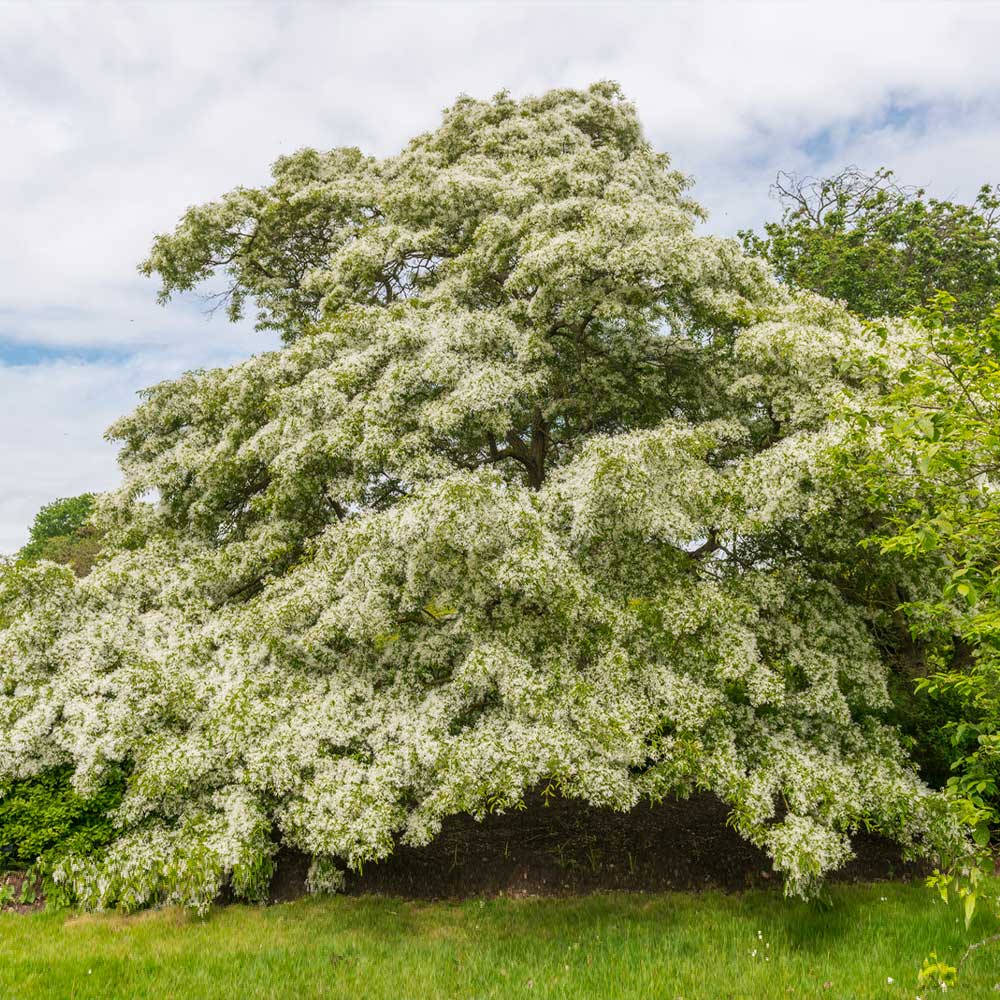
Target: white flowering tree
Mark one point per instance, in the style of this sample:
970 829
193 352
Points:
539 489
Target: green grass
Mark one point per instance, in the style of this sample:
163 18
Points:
609 947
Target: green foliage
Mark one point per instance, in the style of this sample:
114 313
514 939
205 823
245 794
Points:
881 248
57 519
941 427
933 460
62 533
925 719
936 973
43 817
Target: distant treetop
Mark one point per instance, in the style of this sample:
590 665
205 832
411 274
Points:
61 533
882 248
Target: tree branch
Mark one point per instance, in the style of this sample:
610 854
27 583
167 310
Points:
710 545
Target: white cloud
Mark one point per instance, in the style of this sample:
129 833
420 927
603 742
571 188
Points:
116 117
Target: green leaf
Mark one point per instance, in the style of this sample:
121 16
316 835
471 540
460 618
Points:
970 908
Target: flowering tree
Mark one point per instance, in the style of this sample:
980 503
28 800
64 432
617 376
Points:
539 489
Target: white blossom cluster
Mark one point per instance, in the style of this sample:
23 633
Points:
540 489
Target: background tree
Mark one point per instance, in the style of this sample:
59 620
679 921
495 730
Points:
882 248
541 489
62 533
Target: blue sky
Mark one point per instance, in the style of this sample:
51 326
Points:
116 117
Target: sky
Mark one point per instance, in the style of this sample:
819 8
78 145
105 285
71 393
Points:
115 117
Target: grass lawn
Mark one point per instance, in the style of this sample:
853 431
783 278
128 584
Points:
754 945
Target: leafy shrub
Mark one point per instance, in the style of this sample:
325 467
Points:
926 722
43 817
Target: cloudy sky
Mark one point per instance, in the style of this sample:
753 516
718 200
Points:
115 117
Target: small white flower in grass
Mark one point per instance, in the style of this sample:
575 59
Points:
889 980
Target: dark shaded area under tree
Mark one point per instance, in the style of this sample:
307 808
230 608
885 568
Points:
566 847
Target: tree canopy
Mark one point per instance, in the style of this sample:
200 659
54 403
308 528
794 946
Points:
542 488
883 248
61 533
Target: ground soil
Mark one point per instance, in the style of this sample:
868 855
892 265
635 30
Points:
566 847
